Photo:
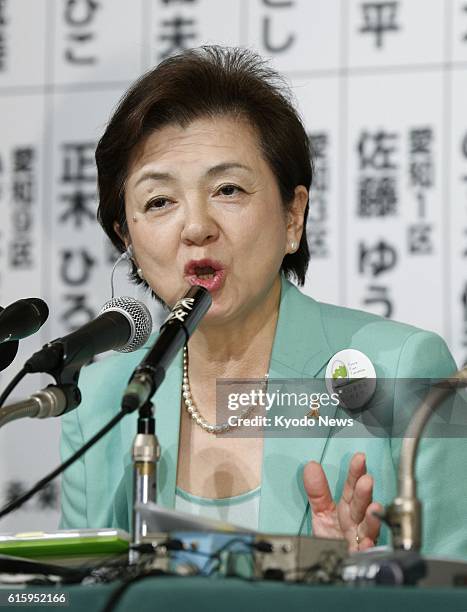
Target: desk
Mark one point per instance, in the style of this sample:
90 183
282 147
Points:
173 594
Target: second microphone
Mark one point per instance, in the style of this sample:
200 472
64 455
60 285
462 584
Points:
174 333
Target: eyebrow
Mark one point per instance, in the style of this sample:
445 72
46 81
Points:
218 169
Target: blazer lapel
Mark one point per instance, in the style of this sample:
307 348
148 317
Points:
300 351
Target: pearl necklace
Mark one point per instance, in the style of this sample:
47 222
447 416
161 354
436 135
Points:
193 410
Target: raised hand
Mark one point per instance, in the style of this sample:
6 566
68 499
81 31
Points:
352 517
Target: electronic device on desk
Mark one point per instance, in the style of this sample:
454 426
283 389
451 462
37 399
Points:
186 544
251 556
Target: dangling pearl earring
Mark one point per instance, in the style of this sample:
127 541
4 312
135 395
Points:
293 246
139 272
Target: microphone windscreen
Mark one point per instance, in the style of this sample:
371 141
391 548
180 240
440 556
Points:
138 316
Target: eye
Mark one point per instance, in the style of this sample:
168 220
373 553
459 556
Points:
156 204
229 190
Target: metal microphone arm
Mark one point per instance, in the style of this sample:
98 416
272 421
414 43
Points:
49 402
404 514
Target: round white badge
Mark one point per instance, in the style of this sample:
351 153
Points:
352 376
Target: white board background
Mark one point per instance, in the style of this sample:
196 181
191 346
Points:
65 63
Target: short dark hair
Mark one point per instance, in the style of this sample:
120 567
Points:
208 81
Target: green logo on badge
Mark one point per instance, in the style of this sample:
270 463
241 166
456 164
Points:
340 371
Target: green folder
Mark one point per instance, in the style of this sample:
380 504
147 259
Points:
65 543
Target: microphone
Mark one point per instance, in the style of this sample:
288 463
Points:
22 318
124 324
8 351
174 333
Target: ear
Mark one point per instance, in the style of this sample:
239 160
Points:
295 215
124 238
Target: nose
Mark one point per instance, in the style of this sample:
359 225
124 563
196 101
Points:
199 227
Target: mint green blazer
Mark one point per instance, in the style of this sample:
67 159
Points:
97 490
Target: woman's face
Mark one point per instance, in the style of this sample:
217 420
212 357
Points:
203 207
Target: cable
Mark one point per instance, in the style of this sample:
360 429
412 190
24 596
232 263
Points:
170 545
116 596
19 501
11 385
125 255
216 556
174 544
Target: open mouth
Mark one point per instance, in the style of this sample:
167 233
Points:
205 272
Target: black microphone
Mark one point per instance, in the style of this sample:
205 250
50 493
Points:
124 324
174 333
22 318
8 351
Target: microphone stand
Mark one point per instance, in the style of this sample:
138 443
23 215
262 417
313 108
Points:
144 382
146 453
404 515
51 401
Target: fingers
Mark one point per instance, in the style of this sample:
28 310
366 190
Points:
357 468
371 525
353 518
367 531
361 499
356 508
363 544
317 488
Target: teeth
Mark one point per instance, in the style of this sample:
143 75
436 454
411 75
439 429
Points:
205 276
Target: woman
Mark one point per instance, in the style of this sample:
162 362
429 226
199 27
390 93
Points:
204 170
